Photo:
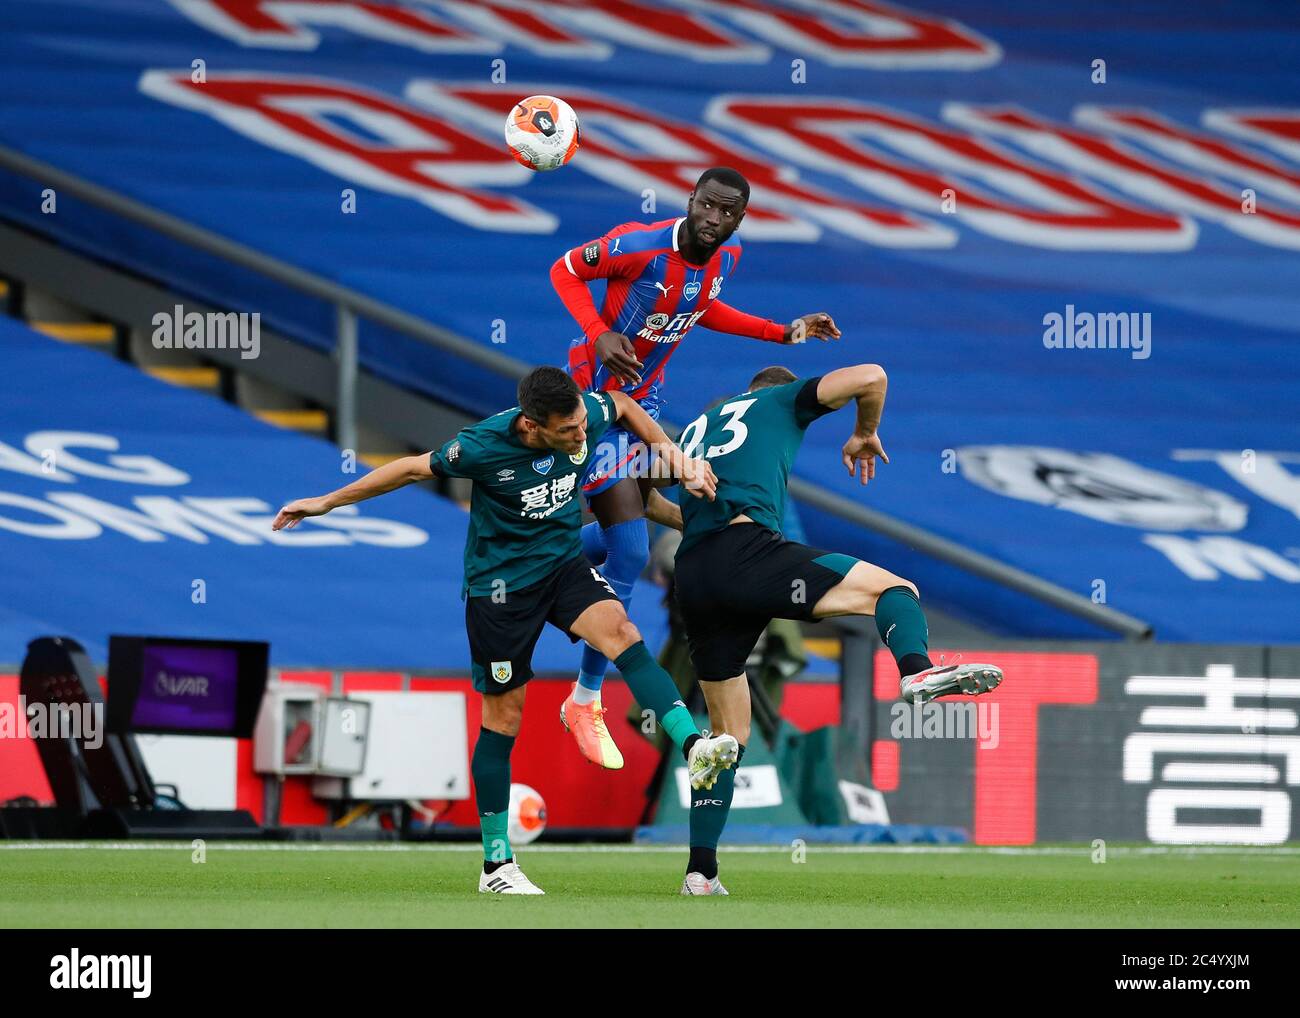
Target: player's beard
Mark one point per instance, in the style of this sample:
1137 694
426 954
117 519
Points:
708 246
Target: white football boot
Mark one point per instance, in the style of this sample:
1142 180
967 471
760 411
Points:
698 883
507 879
709 757
949 680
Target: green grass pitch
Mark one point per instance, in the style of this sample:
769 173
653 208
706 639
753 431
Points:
151 884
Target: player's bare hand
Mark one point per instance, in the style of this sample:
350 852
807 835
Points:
816 326
618 354
288 517
698 478
859 455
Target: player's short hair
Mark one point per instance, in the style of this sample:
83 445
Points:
546 391
775 375
725 175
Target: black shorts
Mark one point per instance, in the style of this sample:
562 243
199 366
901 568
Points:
503 631
733 583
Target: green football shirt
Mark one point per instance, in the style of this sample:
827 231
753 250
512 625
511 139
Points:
750 440
525 511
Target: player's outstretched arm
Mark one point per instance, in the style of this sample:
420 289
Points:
865 384
380 481
722 317
696 475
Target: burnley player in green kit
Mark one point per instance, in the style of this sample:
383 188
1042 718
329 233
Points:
735 573
524 567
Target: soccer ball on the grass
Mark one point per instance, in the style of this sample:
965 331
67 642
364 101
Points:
542 132
527 815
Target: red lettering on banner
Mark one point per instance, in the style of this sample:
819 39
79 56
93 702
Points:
882 36
525 24
1193 148
673 154
823 133
424 157
528 23
653 27
280 24
860 33
1006 770
1129 171
1275 129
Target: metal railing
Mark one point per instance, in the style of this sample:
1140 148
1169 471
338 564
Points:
350 305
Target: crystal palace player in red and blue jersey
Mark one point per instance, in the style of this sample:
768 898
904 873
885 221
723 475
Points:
663 278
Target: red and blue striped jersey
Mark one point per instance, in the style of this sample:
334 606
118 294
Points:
654 296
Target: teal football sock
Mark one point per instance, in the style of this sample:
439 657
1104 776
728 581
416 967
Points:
709 811
490 766
653 689
903 628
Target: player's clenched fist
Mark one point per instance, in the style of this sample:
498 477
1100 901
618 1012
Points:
695 475
698 478
288 517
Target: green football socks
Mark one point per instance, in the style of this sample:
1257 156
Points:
709 810
903 628
653 689
491 769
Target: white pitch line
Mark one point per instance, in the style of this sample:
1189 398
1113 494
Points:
1081 851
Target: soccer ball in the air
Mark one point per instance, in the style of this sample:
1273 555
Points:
542 132
527 815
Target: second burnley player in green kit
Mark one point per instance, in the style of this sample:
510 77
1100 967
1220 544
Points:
735 572
524 567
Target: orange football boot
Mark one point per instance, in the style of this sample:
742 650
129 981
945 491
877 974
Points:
586 722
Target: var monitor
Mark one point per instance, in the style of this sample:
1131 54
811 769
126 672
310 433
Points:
170 686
